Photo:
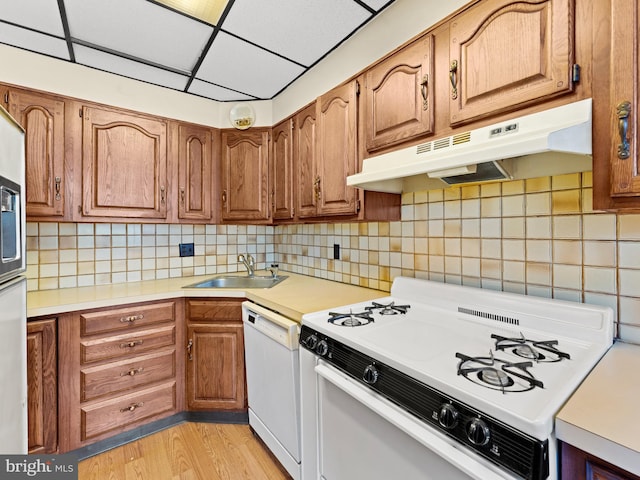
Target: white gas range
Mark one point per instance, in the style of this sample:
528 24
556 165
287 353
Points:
454 382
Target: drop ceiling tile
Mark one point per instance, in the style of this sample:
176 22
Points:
36 42
241 66
128 68
302 31
377 4
41 15
208 90
140 29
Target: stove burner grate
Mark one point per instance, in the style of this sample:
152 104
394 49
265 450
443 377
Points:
350 319
538 351
498 374
388 309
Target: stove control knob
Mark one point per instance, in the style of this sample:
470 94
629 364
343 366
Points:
478 432
448 416
322 348
370 374
311 341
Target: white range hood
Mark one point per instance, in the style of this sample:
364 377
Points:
551 142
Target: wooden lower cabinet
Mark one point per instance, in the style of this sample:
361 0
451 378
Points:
42 394
119 369
215 370
579 465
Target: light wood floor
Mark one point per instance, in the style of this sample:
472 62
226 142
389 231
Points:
189 451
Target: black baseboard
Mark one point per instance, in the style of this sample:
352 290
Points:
153 427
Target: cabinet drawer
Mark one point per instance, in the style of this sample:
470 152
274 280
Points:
214 310
126 318
126 410
127 374
104 348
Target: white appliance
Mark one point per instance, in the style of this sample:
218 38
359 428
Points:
13 290
442 381
552 142
273 382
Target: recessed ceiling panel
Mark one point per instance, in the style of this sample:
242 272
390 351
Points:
206 10
36 42
302 31
128 68
41 15
208 90
140 29
377 4
241 66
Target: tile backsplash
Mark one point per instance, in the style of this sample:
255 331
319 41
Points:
538 237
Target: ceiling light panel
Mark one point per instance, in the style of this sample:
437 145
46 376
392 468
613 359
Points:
36 42
128 68
241 66
140 29
208 90
41 15
302 31
206 10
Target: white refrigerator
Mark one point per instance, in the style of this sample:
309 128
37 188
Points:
13 289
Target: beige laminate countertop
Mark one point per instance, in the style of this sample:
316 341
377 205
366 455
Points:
602 417
295 296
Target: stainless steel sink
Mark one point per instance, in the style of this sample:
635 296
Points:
223 281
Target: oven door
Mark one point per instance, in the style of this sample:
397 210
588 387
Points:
362 435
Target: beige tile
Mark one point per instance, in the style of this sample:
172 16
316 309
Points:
470 267
513 206
538 203
600 253
452 265
630 310
48 229
601 280
538 273
470 191
452 193
32 229
599 227
85 228
513 250
491 227
566 182
587 200
452 246
513 271
491 207
515 187
452 228
491 248
629 227
47 243
490 268
568 227
568 252
538 250
470 227
538 227
629 282
48 283
470 247
513 227
491 189
48 256
436 246
540 184
470 208
48 271
629 255
567 276
566 201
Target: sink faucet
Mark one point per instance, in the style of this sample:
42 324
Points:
248 262
274 270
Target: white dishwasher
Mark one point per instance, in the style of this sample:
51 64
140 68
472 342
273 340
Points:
273 382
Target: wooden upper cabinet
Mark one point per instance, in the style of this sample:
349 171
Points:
304 147
505 54
195 169
245 175
124 164
282 170
42 117
616 165
337 150
398 96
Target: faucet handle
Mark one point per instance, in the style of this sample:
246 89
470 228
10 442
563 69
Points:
241 258
274 270
250 259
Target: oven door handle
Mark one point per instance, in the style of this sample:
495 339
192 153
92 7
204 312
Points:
462 460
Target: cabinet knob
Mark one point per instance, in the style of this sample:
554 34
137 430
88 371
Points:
424 89
58 180
189 349
182 195
224 196
132 372
163 194
131 318
132 407
131 344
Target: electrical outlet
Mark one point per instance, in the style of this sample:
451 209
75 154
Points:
336 251
186 249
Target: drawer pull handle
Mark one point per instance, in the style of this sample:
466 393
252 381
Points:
131 318
132 407
131 344
132 372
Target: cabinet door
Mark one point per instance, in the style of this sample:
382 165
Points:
399 96
616 163
124 163
282 168
42 117
245 175
42 389
337 115
215 367
194 172
305 160
509 53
